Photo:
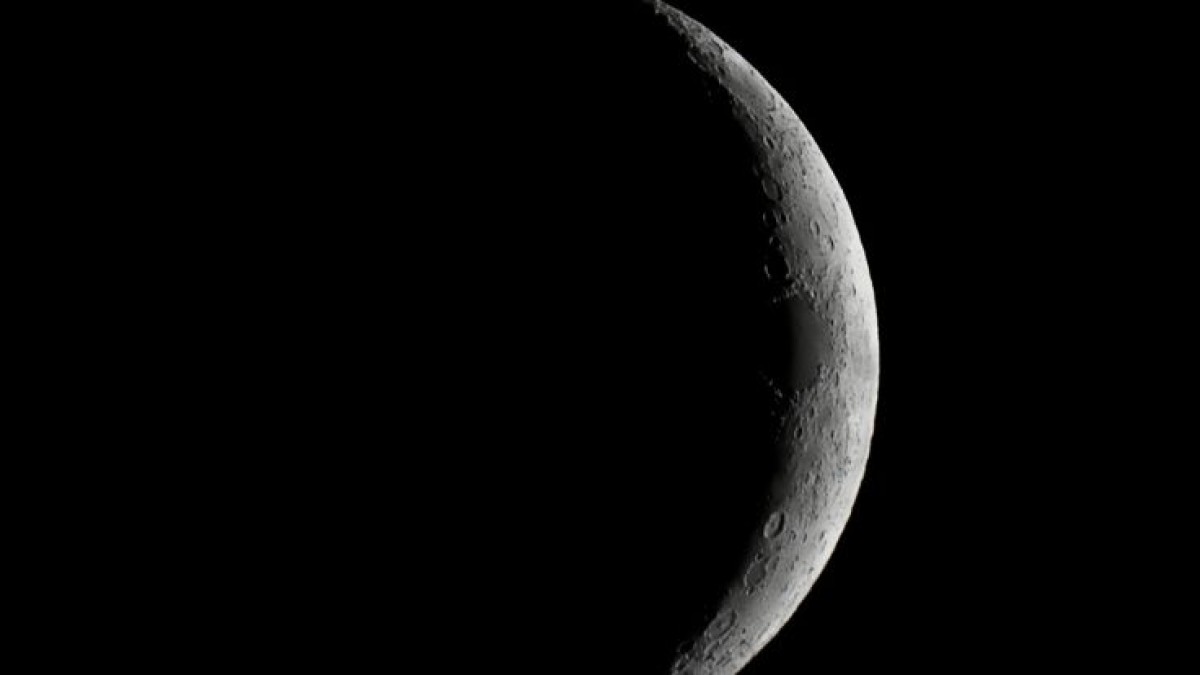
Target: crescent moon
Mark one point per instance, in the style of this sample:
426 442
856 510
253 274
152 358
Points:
819 277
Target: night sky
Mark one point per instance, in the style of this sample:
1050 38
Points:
398 335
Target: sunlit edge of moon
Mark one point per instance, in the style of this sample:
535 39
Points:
826 432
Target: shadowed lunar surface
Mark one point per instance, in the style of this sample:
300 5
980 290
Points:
555 356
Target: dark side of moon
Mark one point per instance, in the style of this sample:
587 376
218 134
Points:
605 372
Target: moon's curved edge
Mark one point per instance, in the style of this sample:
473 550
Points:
829 421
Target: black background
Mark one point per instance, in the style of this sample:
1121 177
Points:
1004 175
1009 173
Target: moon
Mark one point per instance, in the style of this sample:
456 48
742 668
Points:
601 362
818 276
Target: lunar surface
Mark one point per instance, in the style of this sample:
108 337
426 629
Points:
555 346
826 403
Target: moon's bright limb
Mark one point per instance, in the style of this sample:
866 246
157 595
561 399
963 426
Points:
820 280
